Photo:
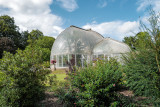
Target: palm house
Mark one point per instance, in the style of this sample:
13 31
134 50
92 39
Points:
78 46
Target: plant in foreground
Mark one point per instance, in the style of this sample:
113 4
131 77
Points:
94 85
24 83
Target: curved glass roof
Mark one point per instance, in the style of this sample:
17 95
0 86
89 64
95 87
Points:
109 46
74 40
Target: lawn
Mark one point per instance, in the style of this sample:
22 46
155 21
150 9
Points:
57 82
60 74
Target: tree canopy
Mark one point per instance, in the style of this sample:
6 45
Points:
45 42
9 29
11 38
141 40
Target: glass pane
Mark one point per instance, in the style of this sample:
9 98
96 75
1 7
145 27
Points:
65 60
110 46
57 60
60 61
54 57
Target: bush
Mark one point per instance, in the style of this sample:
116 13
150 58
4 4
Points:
141 73
46 64
94 85
143 66
24 83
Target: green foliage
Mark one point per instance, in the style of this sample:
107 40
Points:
24 83
2 78
94 85
141 73
52 80
140 41
45 42
67 98
9 35
34 35
6 44
24 39
143 40
46 64
142 67
46 53
8 28
130 41
154 31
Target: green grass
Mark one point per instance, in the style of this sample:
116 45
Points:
60 74
60 77
59 82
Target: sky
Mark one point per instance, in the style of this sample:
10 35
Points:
110 18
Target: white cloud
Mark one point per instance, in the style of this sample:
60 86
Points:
69 5
144 4
32 14
115 29
102 3
119 29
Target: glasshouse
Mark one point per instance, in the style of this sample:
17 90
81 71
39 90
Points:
79 46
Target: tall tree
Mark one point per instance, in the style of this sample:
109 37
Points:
141 40
130 41
24 38
9 35
9 29
154 31
143 66
35 35
45 42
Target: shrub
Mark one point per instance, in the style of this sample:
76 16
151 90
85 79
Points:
94 85
24 83
141 73
66 97
46 64
143 66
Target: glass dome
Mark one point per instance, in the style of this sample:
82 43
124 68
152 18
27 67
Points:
74 45
110 48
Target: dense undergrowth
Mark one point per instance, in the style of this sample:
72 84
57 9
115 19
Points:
22 78
94 86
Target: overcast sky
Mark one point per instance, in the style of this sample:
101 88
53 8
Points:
111 18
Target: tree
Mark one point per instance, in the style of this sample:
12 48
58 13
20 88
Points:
34 35
45 42
140 41
154 32
9 33
24 37
142 67
9 29
130 41
6 44
143 40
